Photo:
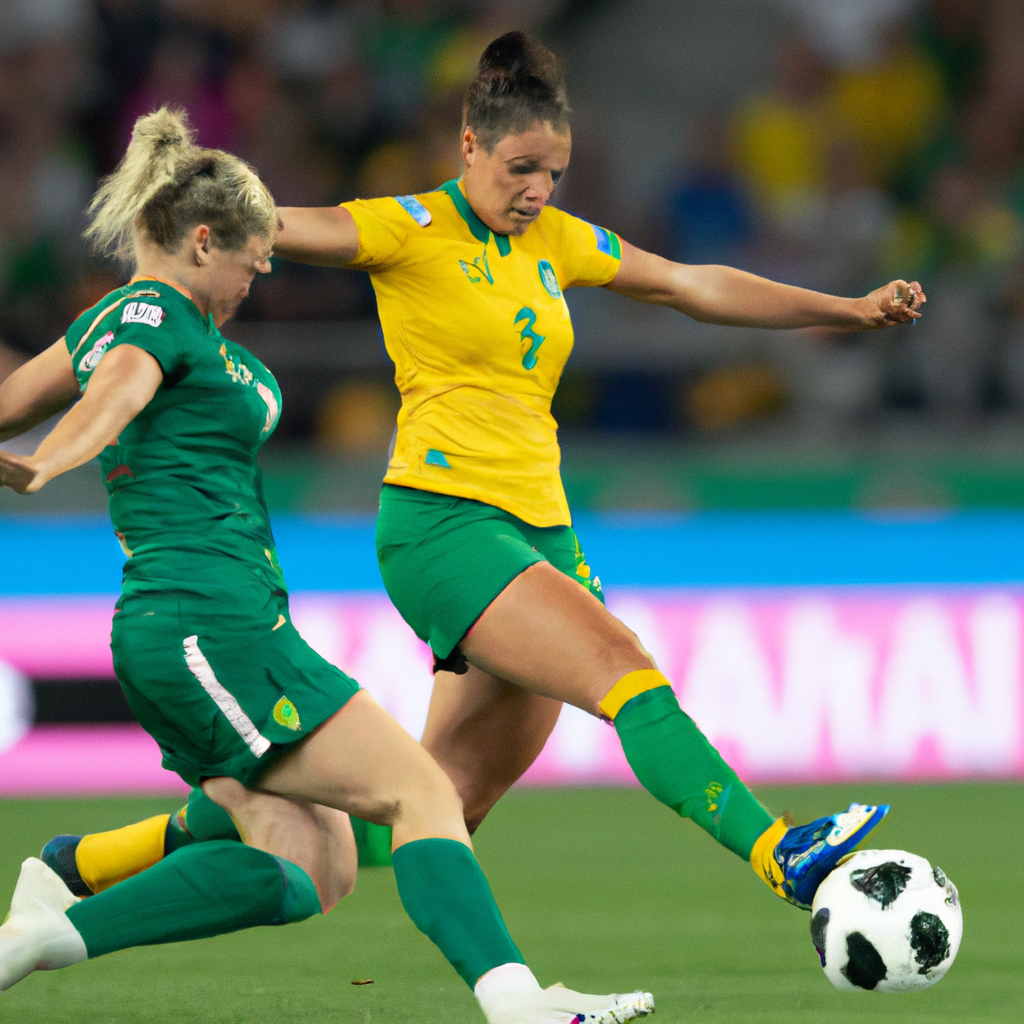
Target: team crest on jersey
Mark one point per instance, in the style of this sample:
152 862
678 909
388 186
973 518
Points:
92 358
548 279
142 313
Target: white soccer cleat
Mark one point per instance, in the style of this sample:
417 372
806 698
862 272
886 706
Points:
37 935
577 1007
510 995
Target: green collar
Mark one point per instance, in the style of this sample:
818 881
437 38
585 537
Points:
481 232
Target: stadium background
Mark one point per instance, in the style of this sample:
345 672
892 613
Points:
817 536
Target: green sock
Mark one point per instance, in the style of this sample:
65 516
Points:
197 822
207 889
675 763
448 898
373 843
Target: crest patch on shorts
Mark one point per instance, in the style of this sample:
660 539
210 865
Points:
286 715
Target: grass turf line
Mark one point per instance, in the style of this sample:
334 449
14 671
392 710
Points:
603 889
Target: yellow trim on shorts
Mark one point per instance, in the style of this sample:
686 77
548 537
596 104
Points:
629 686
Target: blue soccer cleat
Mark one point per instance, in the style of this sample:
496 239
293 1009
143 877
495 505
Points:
59 856
794 860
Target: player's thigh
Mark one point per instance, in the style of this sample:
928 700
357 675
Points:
363 762
317 838
485 732
443 560
548 634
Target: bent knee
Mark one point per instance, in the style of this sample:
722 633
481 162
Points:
227 792
629 651
338 862
621 654
335 885
428 802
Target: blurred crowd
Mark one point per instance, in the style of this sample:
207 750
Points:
329 100
890 144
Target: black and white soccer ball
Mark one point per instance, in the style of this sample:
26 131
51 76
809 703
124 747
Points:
887 921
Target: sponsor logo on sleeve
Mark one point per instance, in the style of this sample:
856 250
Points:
142 313
92 358
415 209
608 242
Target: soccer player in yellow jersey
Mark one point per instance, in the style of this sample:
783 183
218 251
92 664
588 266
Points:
474 536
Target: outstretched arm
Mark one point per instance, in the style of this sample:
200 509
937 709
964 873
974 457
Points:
326 236
724 295
120 388
37 390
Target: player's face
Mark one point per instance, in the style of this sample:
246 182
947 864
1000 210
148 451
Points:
233 274
509 187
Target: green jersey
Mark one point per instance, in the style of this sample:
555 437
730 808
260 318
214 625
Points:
185 494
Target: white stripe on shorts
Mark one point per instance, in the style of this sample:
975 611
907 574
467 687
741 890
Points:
240 721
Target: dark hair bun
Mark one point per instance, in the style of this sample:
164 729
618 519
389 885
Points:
517 61
519 82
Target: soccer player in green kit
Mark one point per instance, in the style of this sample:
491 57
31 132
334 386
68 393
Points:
202 638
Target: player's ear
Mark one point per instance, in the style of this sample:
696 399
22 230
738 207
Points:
470 145
201 244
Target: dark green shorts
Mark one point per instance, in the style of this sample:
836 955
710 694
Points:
222 681
445 559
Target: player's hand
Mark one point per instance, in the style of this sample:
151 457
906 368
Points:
895 303
19 473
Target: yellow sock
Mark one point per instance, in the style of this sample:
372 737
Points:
106 858
631 685
762 857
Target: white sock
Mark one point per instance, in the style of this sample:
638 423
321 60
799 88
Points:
38 934
501 982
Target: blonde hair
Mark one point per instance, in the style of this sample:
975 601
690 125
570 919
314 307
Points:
165 185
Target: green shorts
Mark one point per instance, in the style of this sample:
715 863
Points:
445 559
222 680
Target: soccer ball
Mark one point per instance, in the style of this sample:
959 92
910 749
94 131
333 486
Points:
886 920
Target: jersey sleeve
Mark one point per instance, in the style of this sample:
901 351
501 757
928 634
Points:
146 322
589 255
384 227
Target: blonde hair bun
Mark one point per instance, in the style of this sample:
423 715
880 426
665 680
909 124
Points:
165 185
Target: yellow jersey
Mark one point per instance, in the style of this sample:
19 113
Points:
479 331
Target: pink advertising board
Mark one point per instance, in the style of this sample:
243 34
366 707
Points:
791 685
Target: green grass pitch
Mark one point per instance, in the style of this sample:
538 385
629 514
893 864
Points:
603 889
